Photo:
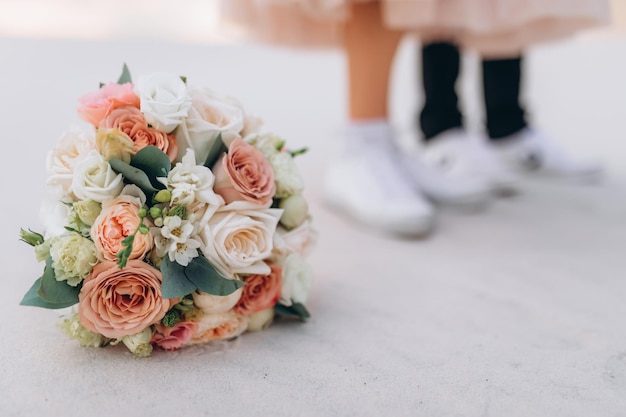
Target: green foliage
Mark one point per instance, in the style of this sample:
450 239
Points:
295 310
125 76
153 162
47 292
217 149
179 281
171 318
144 169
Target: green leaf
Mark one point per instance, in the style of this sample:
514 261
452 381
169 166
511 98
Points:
56 292
154 163
216 150
205 277
133 175
32 299
125 77
47 292
295 310
179 281
175 282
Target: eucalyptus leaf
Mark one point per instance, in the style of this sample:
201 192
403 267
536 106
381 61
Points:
125 77
295 310
154 163
175 282
47 292
206 278
133 175
32 299
215 151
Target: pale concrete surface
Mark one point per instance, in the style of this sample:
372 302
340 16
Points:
519 311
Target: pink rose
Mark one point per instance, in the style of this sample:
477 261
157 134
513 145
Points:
260 292
244 174
118 219
121 302
96 105
130 120
172 338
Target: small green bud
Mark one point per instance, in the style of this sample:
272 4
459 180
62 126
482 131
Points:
143 229
163 196
180 211
30 237
155 212
142 212
171 318
158 222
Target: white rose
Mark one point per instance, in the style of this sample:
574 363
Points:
214 304
286 175
297 280
208 117
238 237
95 179
72 147
164 100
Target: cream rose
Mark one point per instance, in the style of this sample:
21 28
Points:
220 326
244 174
121 302
165 101
95 179
72 148
238 237
297 280
300 240
209 116
215 304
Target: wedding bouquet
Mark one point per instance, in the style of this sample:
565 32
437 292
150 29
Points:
173 222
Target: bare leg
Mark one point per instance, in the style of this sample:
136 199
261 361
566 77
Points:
370 48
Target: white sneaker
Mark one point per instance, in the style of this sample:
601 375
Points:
462 156
531 151
446 189
367 182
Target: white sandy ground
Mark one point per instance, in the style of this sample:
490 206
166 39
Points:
520 311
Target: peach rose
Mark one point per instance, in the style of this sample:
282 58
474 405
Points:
118 219
244 174
121 302
260 292
220 326
96 105
131 121
172 338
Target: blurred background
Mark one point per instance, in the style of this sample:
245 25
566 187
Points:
518 311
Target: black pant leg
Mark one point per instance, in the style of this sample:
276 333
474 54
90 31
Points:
440 70
501 86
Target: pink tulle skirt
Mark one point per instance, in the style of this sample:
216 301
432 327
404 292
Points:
497 27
